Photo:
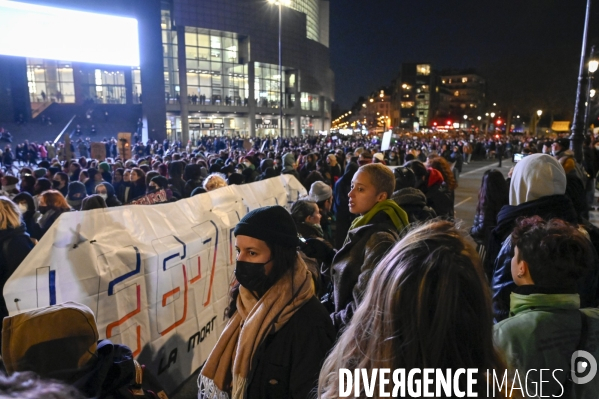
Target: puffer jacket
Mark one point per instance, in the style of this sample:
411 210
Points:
542 332
352 266
484 223
15 245
438 195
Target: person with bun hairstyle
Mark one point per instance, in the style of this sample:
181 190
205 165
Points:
278 333
546 324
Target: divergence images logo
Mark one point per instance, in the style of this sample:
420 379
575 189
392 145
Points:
581 363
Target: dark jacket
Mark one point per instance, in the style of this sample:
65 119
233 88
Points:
123 193
484 223
111 200
15 245
137 190
45 222
341 203
354 263
287 364
438 196
500 251
413 201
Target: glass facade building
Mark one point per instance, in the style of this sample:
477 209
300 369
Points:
208 67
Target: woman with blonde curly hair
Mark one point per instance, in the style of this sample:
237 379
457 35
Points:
427 305
214 181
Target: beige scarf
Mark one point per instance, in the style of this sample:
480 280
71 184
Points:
225 374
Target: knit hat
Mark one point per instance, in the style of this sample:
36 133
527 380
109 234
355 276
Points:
379 156
563 142
104 167
76 187
272 224
320 191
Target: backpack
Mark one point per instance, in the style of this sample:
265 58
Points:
61 342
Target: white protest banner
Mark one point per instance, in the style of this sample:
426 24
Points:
156 276
386 141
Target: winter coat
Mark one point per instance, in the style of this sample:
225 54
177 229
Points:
438 195
353 264
123 193
287 364
341 204
484 223
15 245
542 332
500 251
137 190
413 201
45 222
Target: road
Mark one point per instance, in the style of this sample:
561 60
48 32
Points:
466 195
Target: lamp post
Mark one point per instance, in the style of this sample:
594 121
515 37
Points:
593 65
577 136
465 121
280 3
539 113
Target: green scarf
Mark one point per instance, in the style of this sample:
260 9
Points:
398 216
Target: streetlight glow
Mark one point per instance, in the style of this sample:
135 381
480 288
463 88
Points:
592 93
492 114
593 65
465 117
539 113
479 117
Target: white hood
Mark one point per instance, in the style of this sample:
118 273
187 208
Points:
536 176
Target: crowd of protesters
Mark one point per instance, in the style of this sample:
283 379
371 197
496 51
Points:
369 270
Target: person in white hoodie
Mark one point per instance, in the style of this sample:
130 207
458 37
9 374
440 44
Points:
537 188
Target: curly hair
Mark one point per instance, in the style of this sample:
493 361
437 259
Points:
214 181
442 166
557 253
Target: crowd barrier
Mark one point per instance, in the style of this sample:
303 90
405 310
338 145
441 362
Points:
157 277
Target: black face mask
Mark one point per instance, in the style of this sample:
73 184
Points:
251 275
55 183
43 209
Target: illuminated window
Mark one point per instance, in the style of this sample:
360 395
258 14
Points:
407 104
457 93
423 69
214 75
50 81
464 80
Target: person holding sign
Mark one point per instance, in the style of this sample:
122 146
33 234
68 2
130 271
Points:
278 333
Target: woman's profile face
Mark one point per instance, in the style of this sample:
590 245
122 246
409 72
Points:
253 250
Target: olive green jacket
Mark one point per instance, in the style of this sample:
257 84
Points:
542 332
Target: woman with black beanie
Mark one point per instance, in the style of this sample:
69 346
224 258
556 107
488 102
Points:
286 331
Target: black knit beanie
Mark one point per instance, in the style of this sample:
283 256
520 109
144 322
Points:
272 224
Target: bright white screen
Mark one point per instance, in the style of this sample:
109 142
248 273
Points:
34 31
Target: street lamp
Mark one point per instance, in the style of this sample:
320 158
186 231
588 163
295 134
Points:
539 113
280 3
593 64
465 122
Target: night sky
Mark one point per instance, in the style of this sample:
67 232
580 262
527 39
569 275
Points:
513 43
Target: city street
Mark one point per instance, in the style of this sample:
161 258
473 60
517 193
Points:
466 195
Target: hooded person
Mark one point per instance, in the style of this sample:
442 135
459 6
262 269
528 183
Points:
106 191
537 188
93 201
289 165
76 194
235 178
27 207
430 181
413 201
193 178
104 169
278 332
